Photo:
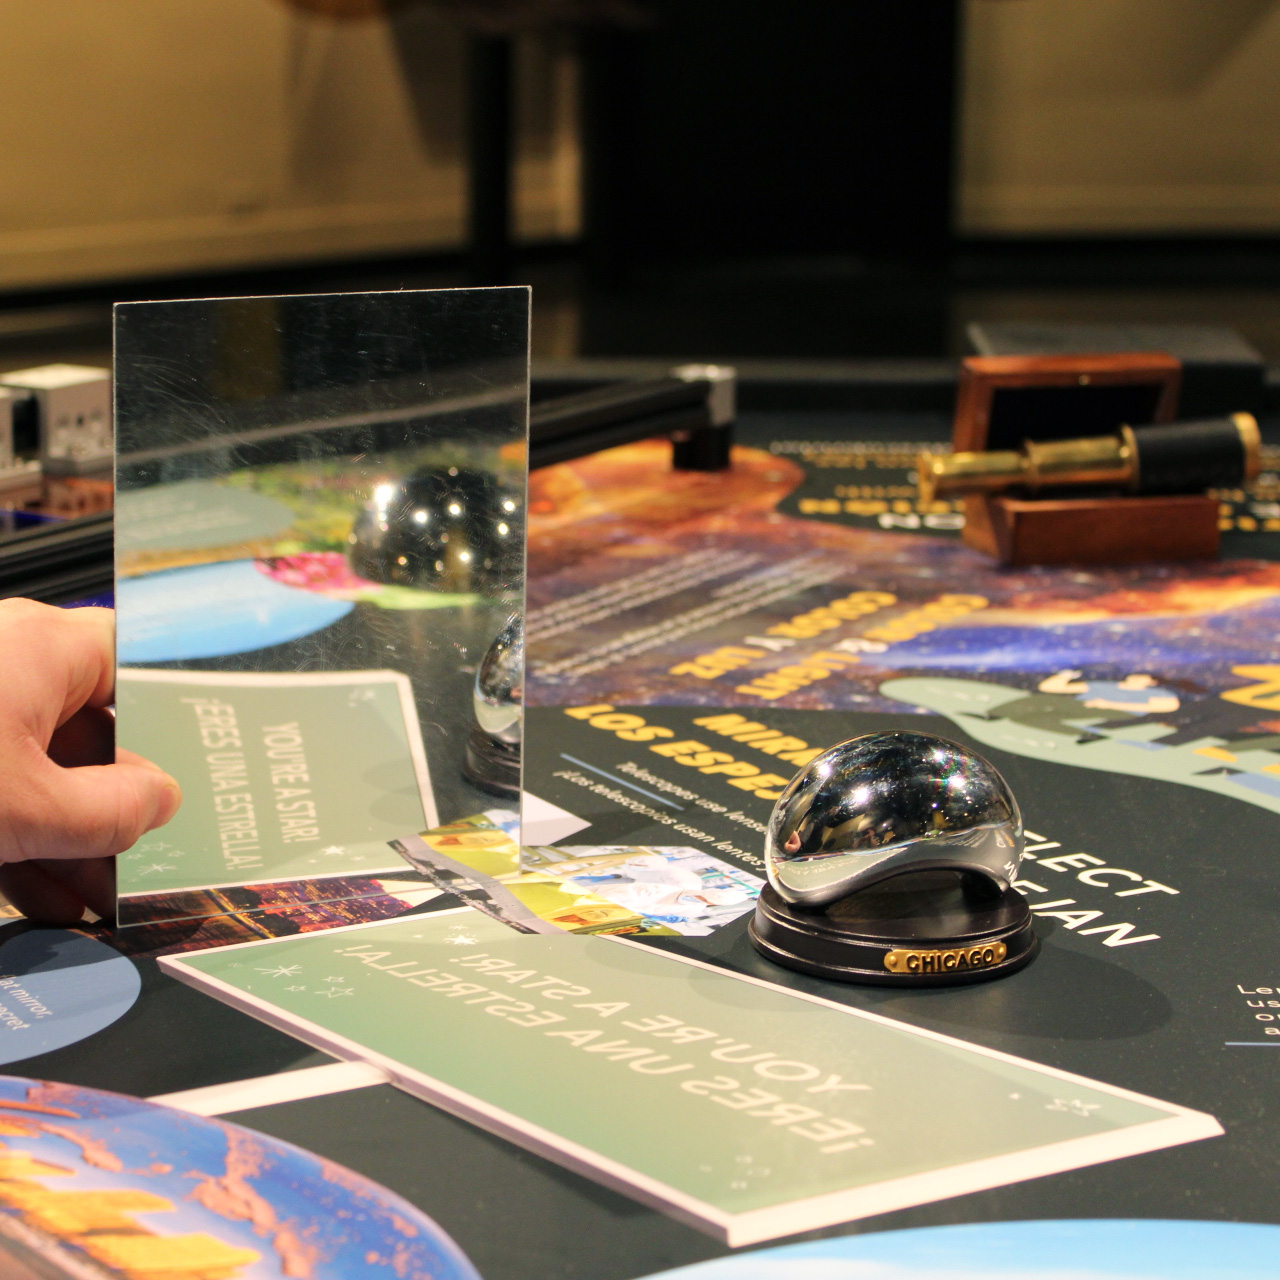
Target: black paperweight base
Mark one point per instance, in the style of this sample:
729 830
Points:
491 766
922 929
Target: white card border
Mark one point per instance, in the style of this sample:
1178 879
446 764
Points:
758 1225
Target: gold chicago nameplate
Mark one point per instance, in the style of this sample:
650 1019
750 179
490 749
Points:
957 960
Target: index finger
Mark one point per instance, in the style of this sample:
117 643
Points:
56 660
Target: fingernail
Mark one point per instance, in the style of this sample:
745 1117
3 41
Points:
170 799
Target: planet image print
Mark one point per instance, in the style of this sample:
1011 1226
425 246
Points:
96 1184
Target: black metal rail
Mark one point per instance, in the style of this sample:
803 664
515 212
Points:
682 408
59 563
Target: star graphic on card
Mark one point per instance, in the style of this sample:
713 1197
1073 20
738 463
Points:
1074 1105
333 851
155 866
336 991
283 971
295 988
155 846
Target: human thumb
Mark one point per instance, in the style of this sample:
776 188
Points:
97 811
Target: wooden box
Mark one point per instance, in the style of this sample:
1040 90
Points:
1004 400
1023 531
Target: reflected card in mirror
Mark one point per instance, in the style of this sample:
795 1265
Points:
319 536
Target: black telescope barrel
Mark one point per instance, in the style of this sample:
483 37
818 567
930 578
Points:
1190 457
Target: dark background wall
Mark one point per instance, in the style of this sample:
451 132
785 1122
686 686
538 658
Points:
773 127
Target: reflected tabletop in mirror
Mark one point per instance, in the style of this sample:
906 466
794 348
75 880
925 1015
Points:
319 536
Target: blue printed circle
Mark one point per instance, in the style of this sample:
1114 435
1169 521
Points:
211 610
58 987
1101 1249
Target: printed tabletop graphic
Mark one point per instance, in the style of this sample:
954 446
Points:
744 1109
1091 726
98 1185
196 919
634 890
814 577
58 987
684 889
284 776
1107 1249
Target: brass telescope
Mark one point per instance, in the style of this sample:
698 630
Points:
1181 457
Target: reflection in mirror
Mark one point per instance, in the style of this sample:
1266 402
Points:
493 750
319 556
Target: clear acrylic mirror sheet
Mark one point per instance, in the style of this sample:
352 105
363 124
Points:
319 534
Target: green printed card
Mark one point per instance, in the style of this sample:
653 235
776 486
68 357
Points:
284 776
747 1110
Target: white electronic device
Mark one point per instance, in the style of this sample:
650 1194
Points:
72 406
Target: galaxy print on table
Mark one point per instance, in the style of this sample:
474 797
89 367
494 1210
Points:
634 570
652 587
